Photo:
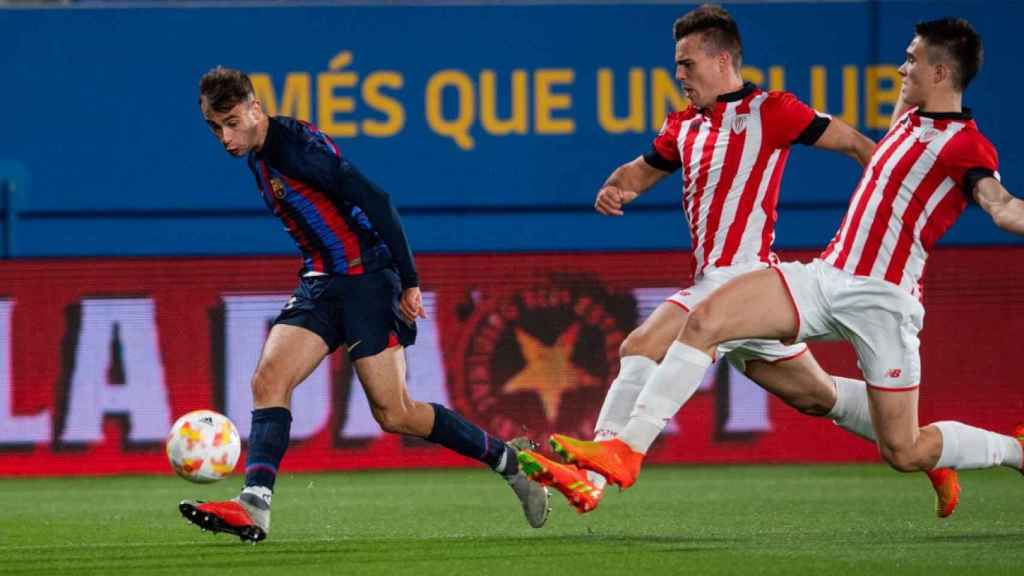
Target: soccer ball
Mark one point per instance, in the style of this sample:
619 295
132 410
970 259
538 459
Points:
203 446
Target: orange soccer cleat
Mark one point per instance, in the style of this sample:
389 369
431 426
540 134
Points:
613 458
566 478
246 519
947 490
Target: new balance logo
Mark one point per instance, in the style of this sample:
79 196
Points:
894 373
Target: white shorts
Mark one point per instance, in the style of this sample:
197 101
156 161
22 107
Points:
738 352
880 320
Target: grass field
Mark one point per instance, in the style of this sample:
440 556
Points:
677 520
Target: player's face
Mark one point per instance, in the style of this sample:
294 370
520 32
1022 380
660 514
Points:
917 73
238 128
703 75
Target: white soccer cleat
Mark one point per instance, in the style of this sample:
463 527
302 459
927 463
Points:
534 497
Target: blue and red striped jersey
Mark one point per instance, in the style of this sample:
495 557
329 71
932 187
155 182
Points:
340 221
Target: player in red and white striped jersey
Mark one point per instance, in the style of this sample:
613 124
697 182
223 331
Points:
916 186
731 143
865 289
732 152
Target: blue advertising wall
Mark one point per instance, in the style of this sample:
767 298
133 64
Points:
492 126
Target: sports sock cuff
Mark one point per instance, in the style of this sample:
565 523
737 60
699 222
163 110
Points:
837 409
636 366
673 383
850 394
634 371
456 433
262 492
966 447
950 448
851 410
268 441
272 413
682 351
509 464
1013 453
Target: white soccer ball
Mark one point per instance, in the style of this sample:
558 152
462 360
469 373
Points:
203 446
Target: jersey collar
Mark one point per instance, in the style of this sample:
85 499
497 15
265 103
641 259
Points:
964 114
747 89
274 127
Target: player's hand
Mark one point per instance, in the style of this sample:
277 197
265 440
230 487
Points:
611 199
411 305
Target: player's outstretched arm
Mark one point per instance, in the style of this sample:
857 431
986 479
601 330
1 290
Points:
626 184
845 139
1006 211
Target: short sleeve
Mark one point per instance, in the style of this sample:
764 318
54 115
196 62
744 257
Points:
664 153
787 120
968 158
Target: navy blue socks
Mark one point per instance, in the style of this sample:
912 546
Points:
268 441
459 435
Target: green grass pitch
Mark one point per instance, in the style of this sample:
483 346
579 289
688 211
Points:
691 520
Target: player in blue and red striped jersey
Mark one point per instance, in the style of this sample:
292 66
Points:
359 287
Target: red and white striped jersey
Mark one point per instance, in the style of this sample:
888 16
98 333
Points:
732 157
918 182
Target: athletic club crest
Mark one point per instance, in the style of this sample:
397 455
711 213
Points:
928 135
540 359
739 123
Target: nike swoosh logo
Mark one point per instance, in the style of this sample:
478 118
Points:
352 346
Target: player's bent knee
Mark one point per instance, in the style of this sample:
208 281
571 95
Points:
810 407
638 343
702 327
268 387
628 346
393 420
816 410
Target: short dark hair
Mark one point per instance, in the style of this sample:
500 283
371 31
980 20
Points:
955 40
224 88
717 27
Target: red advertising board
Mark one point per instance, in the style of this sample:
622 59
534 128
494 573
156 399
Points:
98 357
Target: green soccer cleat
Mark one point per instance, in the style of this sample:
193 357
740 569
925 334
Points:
566 478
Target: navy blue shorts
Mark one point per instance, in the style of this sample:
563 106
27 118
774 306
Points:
361 312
